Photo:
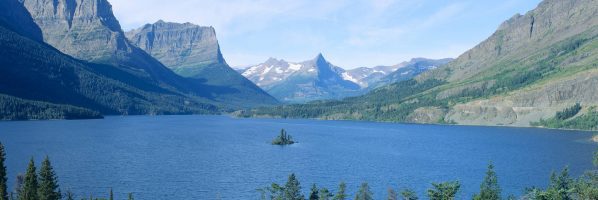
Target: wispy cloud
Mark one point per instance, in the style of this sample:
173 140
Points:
352 33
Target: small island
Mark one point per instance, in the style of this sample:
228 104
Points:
283 139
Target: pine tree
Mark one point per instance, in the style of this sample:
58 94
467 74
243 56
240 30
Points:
48 185
70 195
314 194
3 177
392 195
408 194
111 195
130 196
325 194
489 189
29 189
444 191
19 184
560 185
341 195
292 189
364 192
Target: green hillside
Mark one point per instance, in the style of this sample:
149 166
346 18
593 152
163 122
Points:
533 66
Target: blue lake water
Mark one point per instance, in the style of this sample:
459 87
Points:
218 157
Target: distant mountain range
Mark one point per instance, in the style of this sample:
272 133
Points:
534 66
318 79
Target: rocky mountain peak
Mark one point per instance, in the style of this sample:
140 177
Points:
319 59
181 47
63 22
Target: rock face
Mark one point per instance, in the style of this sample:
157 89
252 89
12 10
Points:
88 30
300 82
192 51
39 82
181 47
84 29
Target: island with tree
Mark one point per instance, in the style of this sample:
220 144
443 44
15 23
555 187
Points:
283 139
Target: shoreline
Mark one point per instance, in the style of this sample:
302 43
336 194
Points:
594 138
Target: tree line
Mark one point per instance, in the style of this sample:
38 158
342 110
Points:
36 184
561 187
566 119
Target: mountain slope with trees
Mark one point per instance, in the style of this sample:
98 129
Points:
533 66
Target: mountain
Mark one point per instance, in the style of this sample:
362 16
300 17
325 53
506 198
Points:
371 78
288 80
366 76
301 82
407 70
39 82
192 51
532 67
88 30
181 47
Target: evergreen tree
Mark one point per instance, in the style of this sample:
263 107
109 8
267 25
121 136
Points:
292 189
364 192
341 195
48 185
408 194
325 194
561 185
444 191
70 195
276 192
19 184
111 195
392 195
489 189
29 189
314 194
130 196
3 177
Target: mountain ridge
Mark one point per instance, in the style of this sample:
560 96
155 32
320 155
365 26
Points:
275 75
533 66
88 30
192 51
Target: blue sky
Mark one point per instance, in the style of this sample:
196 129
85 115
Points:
350 33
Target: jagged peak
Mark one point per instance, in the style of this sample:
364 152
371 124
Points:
320 56
271 59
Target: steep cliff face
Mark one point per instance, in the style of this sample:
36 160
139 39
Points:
39 82
180 47
84 29
88 30
192 51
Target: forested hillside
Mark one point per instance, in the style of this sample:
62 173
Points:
533 66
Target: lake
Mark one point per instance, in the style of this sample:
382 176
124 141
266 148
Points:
219 157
